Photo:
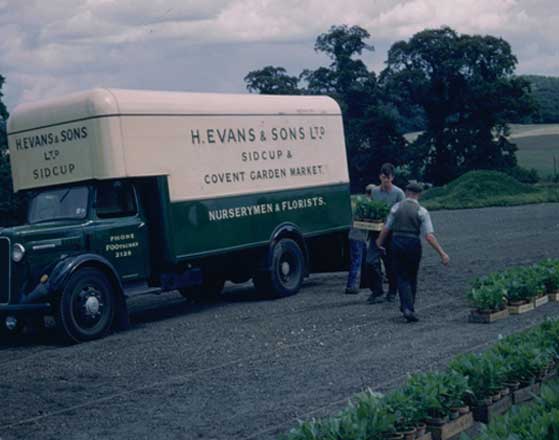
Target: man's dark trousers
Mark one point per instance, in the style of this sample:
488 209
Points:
375 269
406 255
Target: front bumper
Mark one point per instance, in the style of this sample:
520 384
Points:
23 310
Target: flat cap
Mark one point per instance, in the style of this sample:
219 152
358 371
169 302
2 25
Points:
414 187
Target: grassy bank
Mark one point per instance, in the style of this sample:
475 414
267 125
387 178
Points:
480 189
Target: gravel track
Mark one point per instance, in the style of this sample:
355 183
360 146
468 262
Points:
247 368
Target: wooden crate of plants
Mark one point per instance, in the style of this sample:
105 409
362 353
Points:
525 393
540 300
489 301
452 428
368 225
520 307
369 214
549 271
487 316
487 412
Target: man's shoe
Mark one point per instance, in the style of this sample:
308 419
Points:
351 291
374 298
390 297
410 316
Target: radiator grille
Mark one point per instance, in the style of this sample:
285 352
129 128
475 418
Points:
5 270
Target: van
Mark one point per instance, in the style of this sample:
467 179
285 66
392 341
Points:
135 192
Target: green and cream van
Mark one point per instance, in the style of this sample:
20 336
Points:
142 191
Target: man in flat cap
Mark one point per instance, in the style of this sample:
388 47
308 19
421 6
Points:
407 222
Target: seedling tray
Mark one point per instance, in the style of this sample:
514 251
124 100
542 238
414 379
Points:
487 318
369 226
541 301
524 394
451 428
486 413
518 310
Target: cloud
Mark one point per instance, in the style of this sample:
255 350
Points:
52 47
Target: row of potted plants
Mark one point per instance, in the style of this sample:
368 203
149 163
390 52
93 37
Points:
537 421
435 398
514 287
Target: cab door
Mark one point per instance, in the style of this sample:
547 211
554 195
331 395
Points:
120 233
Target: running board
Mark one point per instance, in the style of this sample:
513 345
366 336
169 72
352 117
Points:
138 289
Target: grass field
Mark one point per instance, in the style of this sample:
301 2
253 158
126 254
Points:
538 147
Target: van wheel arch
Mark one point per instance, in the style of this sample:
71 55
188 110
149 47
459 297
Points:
120 319
291 231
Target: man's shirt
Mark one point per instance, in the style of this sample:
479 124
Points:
391 197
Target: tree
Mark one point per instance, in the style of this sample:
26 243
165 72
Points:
545 90
370 127
272 80
467 89
10 204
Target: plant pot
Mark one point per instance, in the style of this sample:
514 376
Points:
513 386
505 392
420 429
393 436
454 413
519 302
436 421
464 410
409 433
485 401
495 397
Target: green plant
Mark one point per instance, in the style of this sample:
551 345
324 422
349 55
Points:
523 283
457 389
549 272
404 405
371 415
488 297
366 209
485 373
429 390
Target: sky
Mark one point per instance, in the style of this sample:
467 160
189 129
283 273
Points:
49 48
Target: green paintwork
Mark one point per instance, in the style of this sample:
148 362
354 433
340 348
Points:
182 231
194 234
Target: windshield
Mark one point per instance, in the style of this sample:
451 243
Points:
56 204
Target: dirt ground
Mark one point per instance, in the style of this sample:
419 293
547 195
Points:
247 368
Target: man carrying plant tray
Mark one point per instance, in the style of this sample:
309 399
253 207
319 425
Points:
407 221
390 194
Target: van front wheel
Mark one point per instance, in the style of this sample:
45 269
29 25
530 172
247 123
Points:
287 270
87 306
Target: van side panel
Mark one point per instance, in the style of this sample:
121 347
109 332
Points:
211 226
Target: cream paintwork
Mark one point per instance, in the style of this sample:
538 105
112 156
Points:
144 133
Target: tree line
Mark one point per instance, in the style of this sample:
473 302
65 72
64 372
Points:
460 91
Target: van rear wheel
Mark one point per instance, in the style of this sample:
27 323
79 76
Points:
87 306
287 270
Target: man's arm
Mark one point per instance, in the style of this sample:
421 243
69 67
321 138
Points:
432 240
381 237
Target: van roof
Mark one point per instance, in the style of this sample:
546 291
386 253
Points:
208 144
104 102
